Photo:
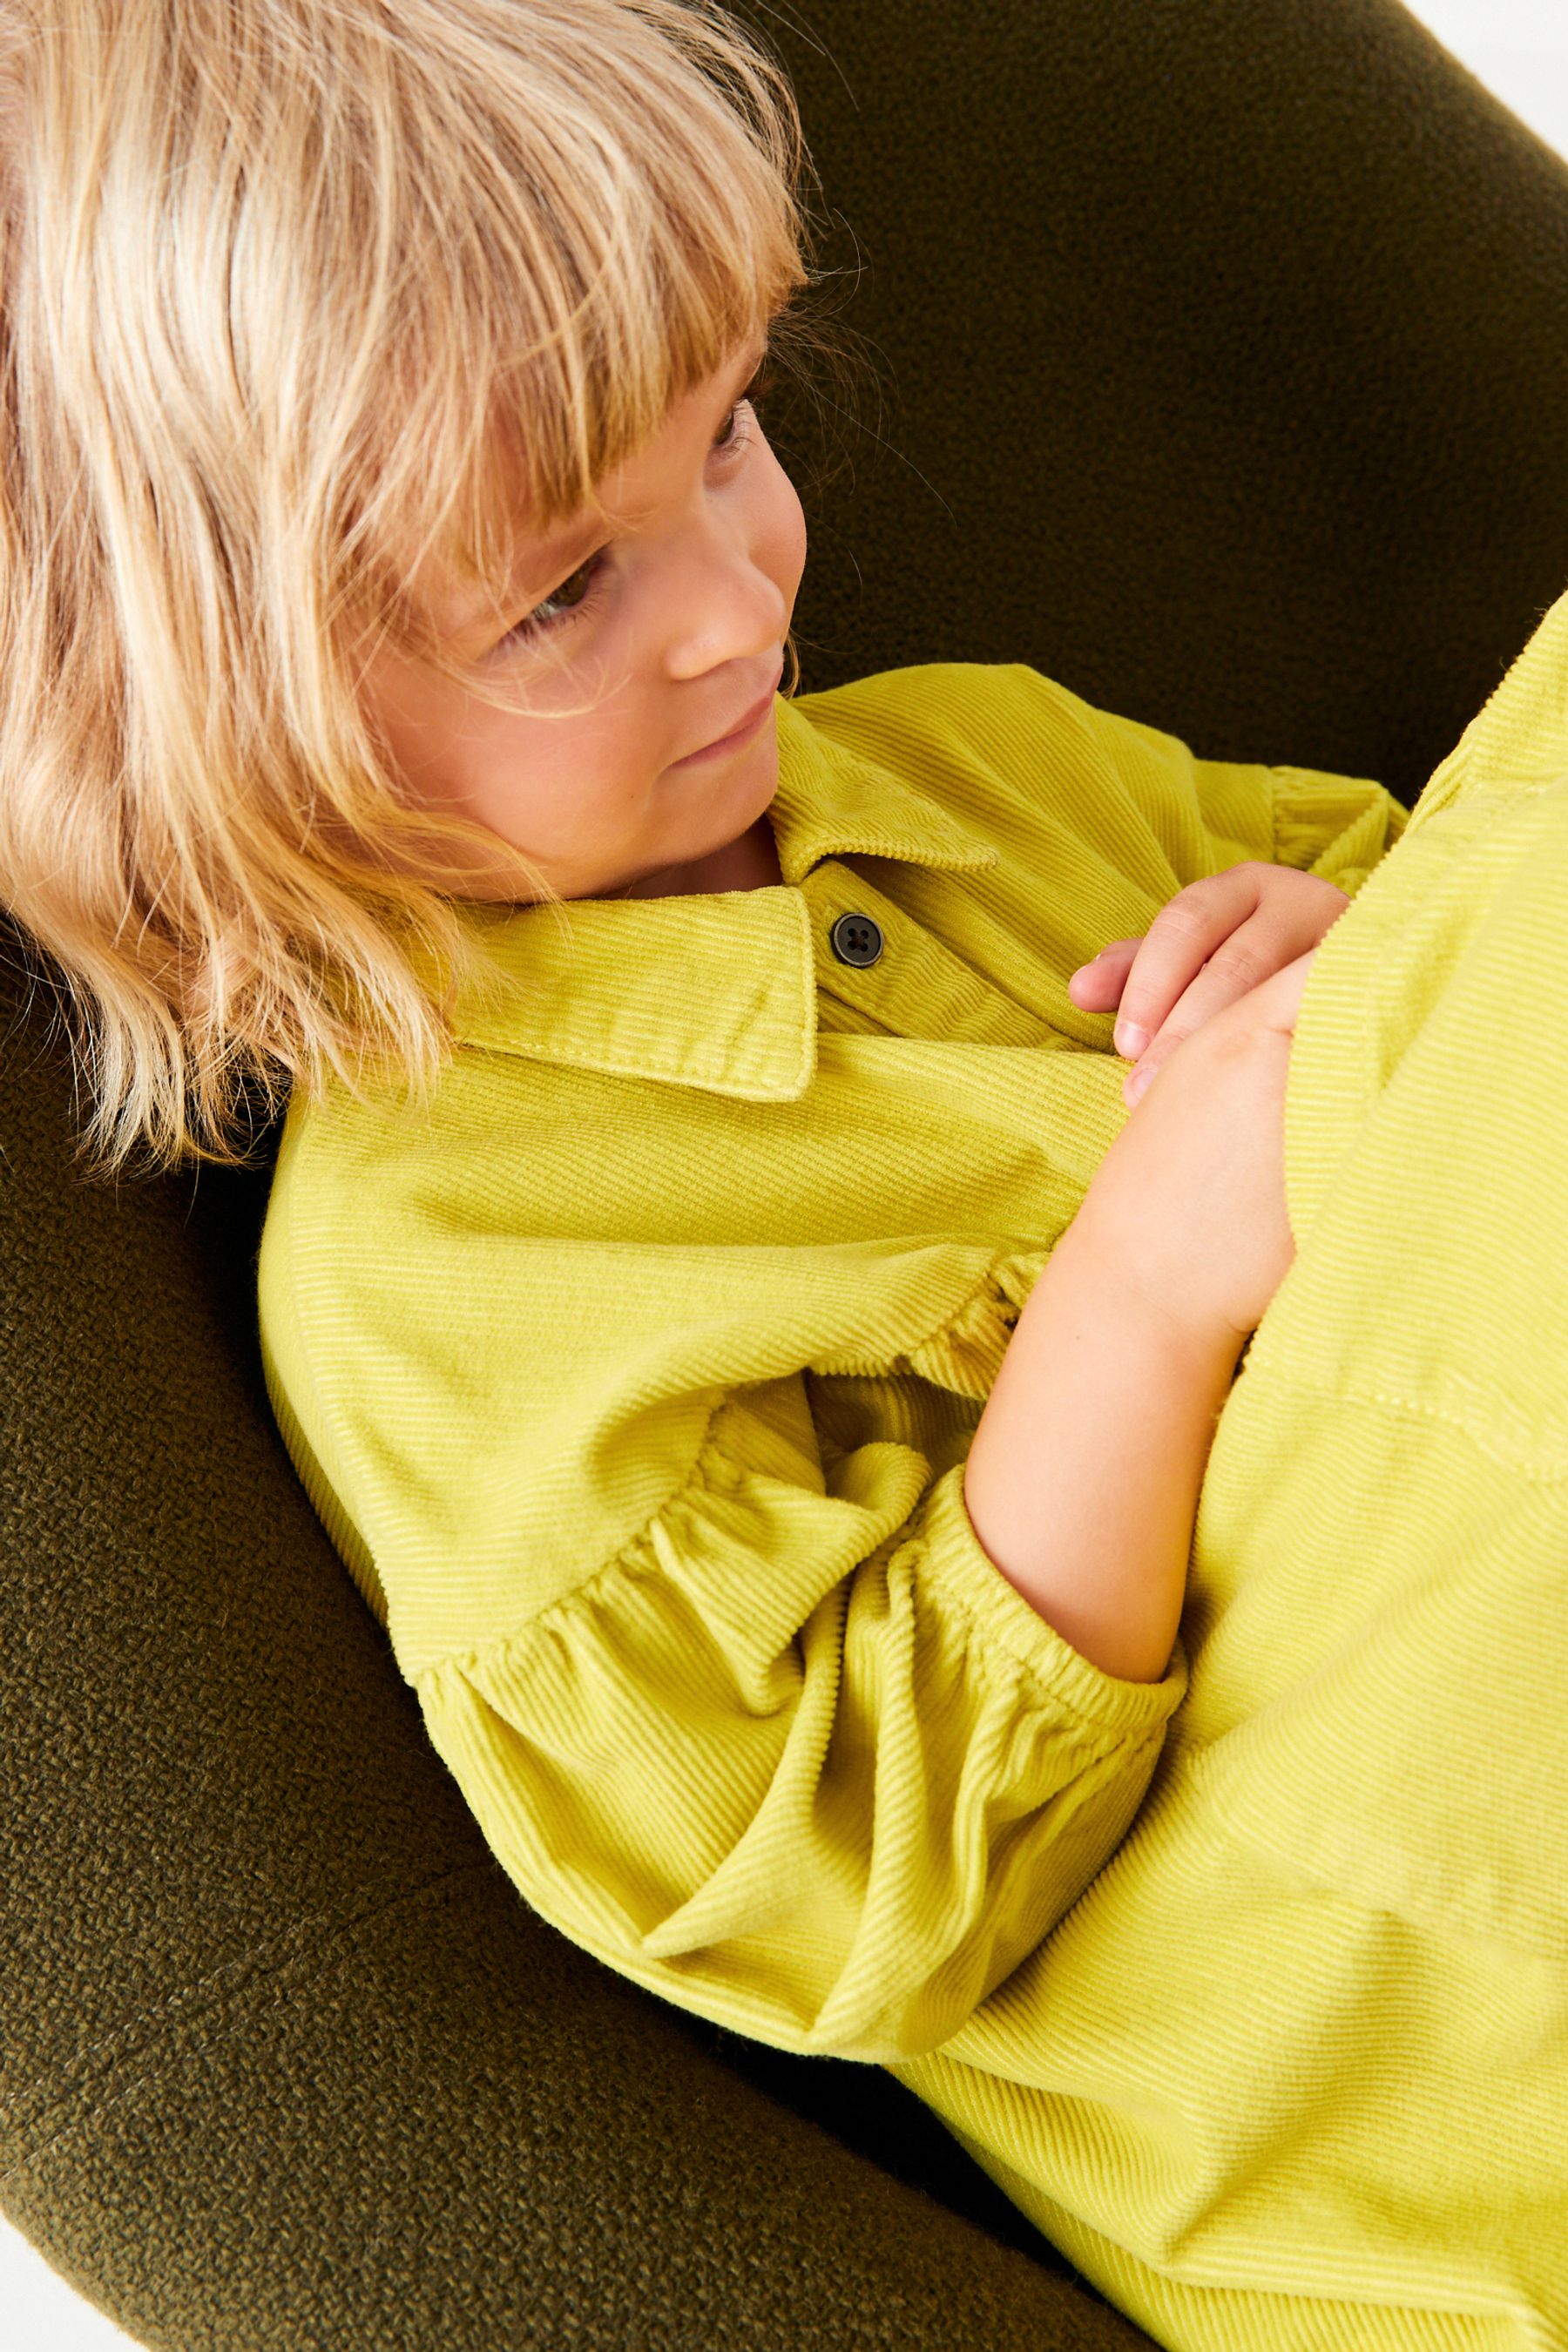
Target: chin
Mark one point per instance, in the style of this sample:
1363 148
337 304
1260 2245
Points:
764 790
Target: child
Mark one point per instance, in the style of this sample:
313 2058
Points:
713 1289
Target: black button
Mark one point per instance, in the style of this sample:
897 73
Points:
857 939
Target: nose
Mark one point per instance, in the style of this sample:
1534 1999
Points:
726 602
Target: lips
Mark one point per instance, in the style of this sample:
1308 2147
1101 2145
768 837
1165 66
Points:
747 718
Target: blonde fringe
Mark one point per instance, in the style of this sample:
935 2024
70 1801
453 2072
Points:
272 274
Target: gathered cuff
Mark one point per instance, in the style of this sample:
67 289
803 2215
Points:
1338 827
956 1562
724 1516
802 1762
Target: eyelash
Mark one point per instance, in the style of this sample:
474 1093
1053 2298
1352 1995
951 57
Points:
531 628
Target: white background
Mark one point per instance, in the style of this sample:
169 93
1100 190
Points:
1520 49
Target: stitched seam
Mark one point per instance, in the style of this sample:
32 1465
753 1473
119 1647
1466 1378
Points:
1545 1473
623 1562
628 1563
899 1364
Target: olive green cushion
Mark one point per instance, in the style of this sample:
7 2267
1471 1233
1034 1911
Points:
1228 385
1227 366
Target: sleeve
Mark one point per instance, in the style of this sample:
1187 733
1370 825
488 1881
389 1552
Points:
1399 1448
799 1759
1098 791
1206 814
1336 827
675 1554
1211 813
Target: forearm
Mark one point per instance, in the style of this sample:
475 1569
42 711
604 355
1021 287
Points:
1083 1476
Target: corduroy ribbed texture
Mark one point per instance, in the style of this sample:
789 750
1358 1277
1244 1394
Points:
643 1363
1307 2036
1230 386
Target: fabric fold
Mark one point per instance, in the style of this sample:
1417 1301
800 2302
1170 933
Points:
883 1781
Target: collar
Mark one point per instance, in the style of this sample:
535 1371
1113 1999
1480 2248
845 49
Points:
715 990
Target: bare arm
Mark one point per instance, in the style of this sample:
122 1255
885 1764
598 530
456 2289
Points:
1082 1478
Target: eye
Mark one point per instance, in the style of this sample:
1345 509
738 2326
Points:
573 598
574 589
732 435
580 589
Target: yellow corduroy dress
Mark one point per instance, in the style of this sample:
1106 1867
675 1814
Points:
634 1382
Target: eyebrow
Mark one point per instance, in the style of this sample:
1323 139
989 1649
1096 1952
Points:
550 560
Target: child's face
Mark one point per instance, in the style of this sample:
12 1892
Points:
679 604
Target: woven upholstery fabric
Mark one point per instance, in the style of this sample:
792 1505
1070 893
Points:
1228 384
1225 364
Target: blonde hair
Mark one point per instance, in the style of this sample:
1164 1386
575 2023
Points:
277 277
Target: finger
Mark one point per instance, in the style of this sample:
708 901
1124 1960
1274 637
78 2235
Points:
1095 987
1187 931
1239 966
1142 1076
1277 1001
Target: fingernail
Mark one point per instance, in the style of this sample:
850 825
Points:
1138 1084
1131 1040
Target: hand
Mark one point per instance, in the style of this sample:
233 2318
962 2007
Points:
1188 1204
1207 946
